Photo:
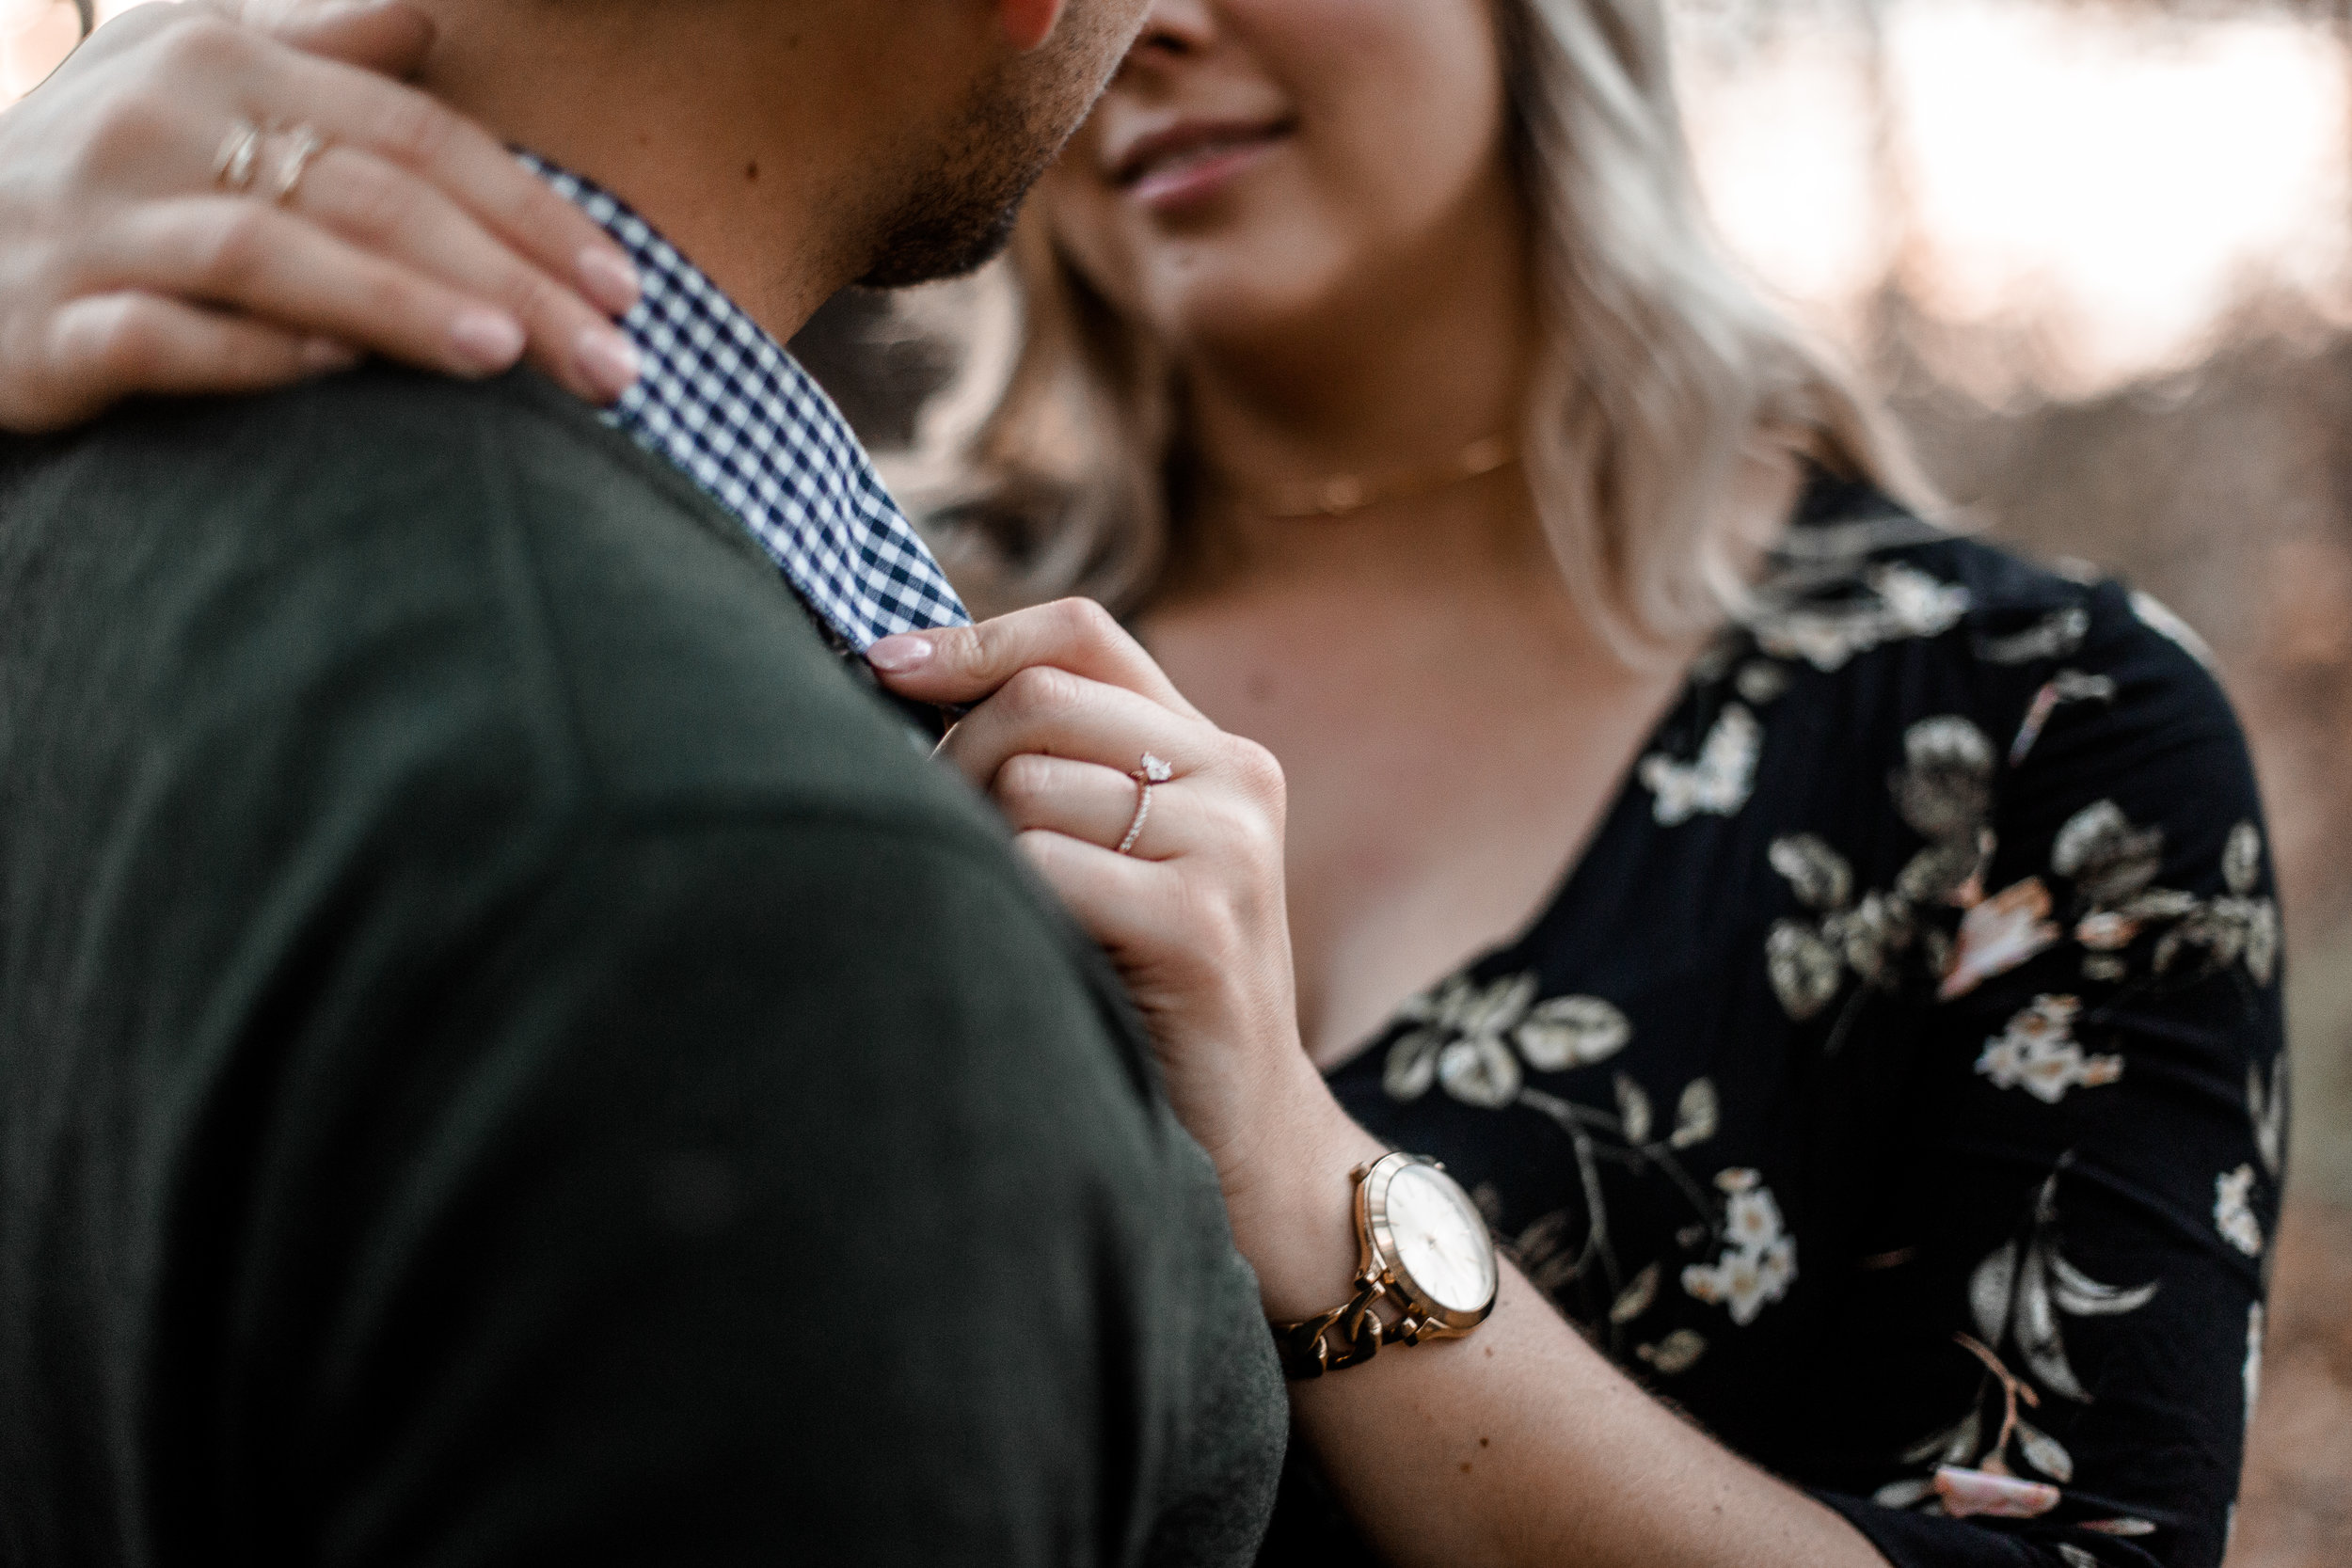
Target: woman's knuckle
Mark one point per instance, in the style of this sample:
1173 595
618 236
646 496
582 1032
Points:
1039 689
202 49
414 130
529 295
133 129
1085 621
1024 780
1257 770
237 246
118 338
371 203
386 296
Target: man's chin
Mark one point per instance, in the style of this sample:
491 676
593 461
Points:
932 253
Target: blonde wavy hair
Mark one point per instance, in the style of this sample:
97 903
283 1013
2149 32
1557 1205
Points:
1052 462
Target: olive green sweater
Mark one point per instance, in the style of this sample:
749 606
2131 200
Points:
508 1055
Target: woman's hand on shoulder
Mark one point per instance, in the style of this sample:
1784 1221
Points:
127 267
1071 715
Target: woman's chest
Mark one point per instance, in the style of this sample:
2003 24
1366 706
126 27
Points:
1438 795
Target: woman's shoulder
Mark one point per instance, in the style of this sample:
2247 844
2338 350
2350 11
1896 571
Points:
2071 701
1862 575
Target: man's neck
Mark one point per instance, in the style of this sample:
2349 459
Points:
737 130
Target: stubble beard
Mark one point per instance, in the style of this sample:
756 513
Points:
959 213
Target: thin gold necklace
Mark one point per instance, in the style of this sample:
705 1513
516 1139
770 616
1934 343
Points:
1341 495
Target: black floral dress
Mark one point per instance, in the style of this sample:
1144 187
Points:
1895 1084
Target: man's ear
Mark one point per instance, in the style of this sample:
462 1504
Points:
1027 23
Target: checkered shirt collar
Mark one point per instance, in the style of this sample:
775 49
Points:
727 405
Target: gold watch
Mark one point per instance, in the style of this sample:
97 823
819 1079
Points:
1424 1254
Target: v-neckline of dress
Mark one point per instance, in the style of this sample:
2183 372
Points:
1825 499
1581 855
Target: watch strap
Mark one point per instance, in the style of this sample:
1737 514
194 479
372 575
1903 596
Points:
1306 1348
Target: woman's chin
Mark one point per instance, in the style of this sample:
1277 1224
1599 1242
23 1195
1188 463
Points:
1233 301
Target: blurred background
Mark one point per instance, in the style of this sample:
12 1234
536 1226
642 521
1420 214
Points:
2098 254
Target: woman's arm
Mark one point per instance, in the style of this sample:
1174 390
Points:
126 268
1517 1445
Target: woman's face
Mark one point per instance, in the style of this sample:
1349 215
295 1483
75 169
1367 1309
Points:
1259 166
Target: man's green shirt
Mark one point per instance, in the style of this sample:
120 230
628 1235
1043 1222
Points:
508 1055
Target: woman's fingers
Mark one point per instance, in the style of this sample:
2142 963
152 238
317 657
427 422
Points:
406 128
1121 899
108 341
401 214
1050 712
963 664
414 234
240 254
1098 805
399 218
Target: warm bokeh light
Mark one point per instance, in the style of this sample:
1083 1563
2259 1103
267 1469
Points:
2106 182
34 36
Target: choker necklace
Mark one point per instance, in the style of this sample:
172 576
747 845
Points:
1341 495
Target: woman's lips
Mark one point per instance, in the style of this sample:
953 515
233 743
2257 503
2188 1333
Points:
1187 175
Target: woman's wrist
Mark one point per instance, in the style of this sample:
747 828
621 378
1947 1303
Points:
1293 1204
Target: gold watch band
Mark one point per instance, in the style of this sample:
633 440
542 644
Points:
1305 1345
1352 1333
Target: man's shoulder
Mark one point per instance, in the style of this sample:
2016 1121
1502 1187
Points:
433 547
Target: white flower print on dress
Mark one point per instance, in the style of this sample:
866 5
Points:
1759 1259
2018 1295
1807 959
1944 786
2109 859
1816 874
2114 866
2057 635
2067 685
1762 682
2237 926
2266 1106
2039 1053
1677 1353
2232 1215
2021 1290
1997 935
1467 1032
1806 972
1718 783
1565 1032
1901 602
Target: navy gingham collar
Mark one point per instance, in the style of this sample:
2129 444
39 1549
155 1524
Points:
727 406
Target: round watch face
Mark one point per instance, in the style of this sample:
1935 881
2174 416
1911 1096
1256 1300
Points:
1441 1239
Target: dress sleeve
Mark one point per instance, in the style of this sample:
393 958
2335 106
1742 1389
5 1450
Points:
2099 1102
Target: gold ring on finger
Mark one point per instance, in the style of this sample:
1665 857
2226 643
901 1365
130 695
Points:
232 167
308 144
1152 773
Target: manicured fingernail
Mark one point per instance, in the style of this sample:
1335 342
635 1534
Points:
608 360
325 356
486 341
610 281
896 656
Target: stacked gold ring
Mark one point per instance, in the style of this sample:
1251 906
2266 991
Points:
239 159
232 169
